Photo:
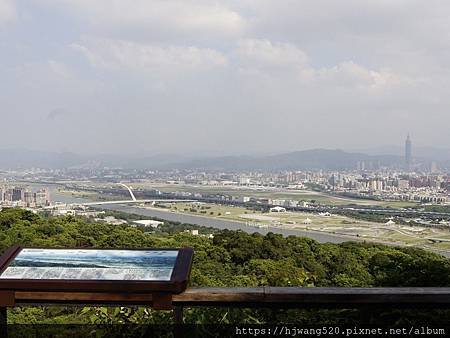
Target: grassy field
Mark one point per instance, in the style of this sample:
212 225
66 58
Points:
424 237
271 193
299 195
429 238
91 195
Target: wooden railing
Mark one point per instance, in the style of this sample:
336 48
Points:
282 297
259 297
299 297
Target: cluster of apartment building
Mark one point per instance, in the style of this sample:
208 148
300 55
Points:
242 199
424 188
420 188
24 197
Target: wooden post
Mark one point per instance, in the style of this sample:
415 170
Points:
178 315
162 301
4 321
178 321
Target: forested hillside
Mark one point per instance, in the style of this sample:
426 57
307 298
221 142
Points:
231 258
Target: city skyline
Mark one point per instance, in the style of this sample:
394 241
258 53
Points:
202 77
422 159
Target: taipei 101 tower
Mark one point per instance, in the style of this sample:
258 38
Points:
408 153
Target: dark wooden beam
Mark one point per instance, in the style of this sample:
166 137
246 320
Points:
310 297
282 297
88 297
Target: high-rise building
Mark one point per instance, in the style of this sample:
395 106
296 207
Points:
402 184
42 197
361 165
7 195
434 167
408 153
18 194
28 198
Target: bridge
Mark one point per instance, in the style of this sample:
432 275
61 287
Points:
132 201
129 189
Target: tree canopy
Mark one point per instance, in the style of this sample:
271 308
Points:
236 258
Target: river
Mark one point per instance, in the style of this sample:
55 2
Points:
234 225
225 224
57 196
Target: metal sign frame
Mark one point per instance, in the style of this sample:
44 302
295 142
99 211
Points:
78 291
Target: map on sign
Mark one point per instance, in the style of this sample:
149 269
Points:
73 264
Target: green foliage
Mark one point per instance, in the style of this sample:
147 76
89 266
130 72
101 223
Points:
274 273
230 259
437 208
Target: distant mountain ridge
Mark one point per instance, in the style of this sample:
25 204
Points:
431 153
313 159
23 158
302 160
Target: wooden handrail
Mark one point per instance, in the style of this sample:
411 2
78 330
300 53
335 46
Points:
259 297
305 297
288 297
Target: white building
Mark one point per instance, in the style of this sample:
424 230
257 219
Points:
244 180
277 209
111 220
147 223
278 202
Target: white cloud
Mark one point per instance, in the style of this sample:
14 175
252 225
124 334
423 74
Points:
262 63
401 34
264 53
157 18
218 68
260 58
126 55
285 61
7 10
59 69
351 74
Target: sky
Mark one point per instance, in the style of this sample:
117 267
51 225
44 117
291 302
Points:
223 77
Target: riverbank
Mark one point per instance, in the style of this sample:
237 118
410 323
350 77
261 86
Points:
223 224
330 224
323 230
321 237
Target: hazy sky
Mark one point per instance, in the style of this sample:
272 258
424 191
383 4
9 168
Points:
239 76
